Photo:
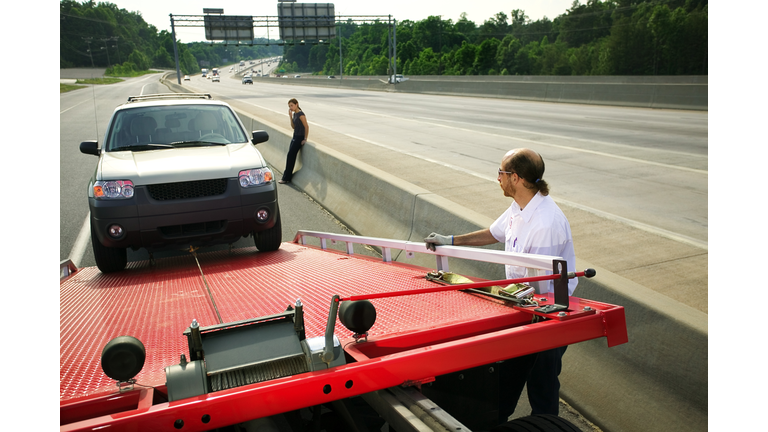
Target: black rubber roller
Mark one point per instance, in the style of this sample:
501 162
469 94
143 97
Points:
123 357
590 272
358 316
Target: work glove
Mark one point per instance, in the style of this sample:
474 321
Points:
436 239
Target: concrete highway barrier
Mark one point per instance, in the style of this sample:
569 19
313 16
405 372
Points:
658 381
670 92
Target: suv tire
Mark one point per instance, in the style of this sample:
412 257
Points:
269 239
108 259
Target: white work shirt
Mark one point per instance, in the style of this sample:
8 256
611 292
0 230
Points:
541 228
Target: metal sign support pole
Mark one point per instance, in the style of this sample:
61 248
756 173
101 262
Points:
175 51
394 48
341 65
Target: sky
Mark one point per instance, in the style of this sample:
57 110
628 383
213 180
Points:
157 12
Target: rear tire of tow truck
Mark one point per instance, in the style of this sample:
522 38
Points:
538 423
269 239
108 259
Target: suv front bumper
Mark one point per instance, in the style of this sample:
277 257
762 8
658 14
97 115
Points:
178 224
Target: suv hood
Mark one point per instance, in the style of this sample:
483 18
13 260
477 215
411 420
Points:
178 165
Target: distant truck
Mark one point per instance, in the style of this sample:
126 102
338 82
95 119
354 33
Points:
242 62
393 79
215 71
205 72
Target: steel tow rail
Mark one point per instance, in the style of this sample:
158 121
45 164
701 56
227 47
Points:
586 273
193 251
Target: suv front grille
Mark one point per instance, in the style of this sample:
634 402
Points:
184 190
201 228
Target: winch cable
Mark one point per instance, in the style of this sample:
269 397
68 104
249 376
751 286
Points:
193 250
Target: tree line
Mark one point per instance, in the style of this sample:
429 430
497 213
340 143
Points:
103 35
612 37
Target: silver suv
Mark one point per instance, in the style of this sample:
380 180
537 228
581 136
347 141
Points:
178 170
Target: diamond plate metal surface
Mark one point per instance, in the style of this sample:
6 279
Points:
156 303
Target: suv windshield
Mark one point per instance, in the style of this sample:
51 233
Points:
169 126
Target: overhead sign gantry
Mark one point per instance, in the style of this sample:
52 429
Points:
295 22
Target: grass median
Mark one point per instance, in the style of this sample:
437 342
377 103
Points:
63 88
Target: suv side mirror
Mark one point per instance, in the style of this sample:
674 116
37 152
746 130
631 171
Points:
260 136
90 147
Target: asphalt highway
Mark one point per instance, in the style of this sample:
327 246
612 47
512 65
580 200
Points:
632 181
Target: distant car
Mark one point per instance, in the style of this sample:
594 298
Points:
297 76
177 171
209 77
216 78
397 79
331 76
186 77
247 80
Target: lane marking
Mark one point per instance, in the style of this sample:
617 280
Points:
81 242
606 143
62 112
563 147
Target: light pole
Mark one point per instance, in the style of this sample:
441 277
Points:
341 63
107 50
90 54
440 38
115 38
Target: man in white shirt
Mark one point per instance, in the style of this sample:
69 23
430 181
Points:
534 224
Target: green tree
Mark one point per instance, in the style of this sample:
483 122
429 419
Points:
584 23
465 26
163 59
505 55
485 58
554 59
526 59
496 27
426 64
141 61
464 59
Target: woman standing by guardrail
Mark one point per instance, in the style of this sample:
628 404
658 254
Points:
300 134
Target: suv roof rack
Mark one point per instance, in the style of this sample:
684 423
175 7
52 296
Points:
170 96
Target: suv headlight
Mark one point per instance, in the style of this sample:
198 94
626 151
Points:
113 189
255 177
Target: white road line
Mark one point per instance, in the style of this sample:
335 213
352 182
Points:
62 112
576 149
81 242
639 225
606 143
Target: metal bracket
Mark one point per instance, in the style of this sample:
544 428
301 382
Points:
327 355
124 386
561 288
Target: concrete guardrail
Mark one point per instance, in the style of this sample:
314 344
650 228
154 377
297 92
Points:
658 381
670 92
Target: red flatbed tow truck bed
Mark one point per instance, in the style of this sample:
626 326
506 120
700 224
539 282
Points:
414 338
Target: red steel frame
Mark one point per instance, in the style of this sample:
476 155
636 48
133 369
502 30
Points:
386 360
